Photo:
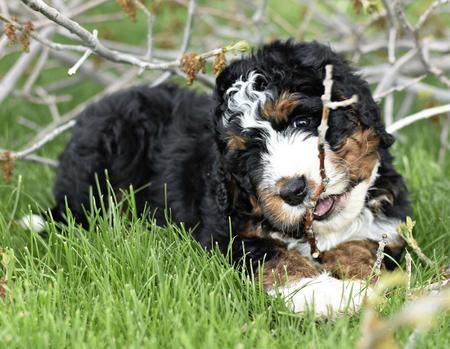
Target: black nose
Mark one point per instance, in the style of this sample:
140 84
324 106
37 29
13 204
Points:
294 191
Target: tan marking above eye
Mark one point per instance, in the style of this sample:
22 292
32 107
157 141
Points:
280 109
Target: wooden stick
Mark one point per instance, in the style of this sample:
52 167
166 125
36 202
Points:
322 131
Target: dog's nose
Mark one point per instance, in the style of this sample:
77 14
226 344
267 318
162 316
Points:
294 191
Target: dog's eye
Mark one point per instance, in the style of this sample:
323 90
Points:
301 122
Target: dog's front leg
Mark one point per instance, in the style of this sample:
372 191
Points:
304 286
350 260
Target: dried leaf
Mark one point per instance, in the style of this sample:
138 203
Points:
129 7
220 62
192 64
25 37
10 32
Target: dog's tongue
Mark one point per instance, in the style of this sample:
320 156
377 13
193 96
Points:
323 207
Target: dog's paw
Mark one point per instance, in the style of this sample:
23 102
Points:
32 222
323 295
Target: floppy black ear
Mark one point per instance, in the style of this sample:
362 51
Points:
370 116
223 82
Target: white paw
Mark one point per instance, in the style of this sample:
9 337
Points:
324 295
32 222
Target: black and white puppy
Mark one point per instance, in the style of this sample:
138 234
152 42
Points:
248 155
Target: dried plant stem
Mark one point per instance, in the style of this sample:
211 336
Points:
406 232
95 45
7 155
380 256
408 268
423 114
322 131
326 98
413 244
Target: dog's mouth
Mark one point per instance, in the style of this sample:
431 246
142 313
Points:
325 207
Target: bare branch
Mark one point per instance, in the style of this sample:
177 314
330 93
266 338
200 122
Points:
148 14
424 114
380 256
96 45
414 31
77 65
48 138
390 74
188 28
322 130
399 88
257 21
36 71
8 83
41 160
392 35
428 12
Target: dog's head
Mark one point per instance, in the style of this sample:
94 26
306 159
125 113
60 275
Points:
269 108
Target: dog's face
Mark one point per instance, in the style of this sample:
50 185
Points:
268 114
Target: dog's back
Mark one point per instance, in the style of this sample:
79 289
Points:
129 137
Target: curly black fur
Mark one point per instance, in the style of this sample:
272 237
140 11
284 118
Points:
170 141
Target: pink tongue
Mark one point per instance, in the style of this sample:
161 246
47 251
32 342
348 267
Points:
323 206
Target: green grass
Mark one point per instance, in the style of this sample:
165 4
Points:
128 283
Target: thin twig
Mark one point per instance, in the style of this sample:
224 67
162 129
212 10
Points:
415 33
148 14
257 21
406 232
93 43
188 28
392 33
48 138
398 88
322 130
390 74
41 160
8 83
51 102
423 114
73 70
408 268
36 71
380 256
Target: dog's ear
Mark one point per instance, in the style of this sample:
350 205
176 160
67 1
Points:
223 82
229 76
370 116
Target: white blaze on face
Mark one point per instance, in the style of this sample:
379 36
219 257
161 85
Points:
296 154
292 153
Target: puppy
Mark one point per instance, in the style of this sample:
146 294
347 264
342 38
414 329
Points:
247 158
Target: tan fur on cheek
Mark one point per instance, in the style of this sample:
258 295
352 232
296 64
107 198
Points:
358 155
272 204
280 109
